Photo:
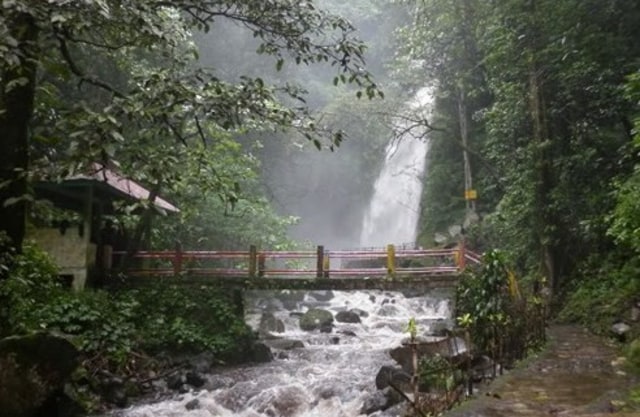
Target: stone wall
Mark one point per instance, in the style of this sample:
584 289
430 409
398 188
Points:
71 251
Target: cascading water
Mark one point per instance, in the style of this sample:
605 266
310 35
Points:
394 210
334 373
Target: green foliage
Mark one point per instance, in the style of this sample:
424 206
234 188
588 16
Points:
109 327
485 298
632 354
602 293
185 318
501 322
435 372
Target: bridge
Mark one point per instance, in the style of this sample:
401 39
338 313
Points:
379 268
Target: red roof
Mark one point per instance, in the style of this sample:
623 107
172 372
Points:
129 187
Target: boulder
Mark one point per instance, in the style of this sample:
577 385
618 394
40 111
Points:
380 401
33 371
269 324
620 331
481 368
396 376
194 379
388 310
175 381
261 353
316 318
348 317
439 328
450 348
193 404
350 333
360 312
326 328
322 295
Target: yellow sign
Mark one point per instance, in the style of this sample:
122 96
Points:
470 194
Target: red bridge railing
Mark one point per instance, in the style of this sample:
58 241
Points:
319 263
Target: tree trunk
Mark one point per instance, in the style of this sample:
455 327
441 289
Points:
17 92
543 183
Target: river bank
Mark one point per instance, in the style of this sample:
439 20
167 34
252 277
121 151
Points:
577 374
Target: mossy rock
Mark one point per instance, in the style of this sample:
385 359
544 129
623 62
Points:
316 318
32 369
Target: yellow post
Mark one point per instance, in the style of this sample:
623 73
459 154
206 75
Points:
326 266
391 260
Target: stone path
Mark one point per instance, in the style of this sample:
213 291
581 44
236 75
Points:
577 375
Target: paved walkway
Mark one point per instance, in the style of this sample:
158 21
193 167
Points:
577 375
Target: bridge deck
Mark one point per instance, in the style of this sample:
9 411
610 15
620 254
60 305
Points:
307 283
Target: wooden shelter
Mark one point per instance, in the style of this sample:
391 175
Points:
83 249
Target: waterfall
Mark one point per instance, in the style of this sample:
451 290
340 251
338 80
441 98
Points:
394 210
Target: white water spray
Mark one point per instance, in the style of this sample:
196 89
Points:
394 210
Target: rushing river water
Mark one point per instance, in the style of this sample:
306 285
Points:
331 376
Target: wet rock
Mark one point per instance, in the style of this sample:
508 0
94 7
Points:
202 363
176 381
316 318
326 328
33 371
348 317
296 314
396 376
269 323
359 312
372 298
335 340
481 368
322 295
113 390
439 328
194 379
620 330
284 344
450 348
261 353
388 310
287 402
348 333
290 299
193 404
380 401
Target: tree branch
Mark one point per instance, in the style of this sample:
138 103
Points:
75 69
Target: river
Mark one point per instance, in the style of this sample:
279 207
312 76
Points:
332 375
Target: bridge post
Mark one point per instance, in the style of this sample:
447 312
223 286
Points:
177 259
462 262
262 260
253 261
320 262
391 260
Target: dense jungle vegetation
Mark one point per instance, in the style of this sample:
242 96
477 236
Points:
541 97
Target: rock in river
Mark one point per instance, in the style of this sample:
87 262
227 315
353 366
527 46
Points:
316 318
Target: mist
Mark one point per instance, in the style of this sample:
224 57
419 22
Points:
329 191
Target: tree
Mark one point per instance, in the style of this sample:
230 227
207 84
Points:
148 88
